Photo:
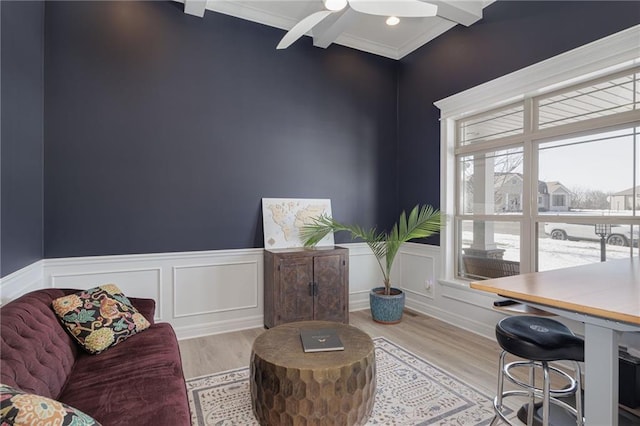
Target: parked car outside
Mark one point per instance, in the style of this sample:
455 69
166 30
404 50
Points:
620 235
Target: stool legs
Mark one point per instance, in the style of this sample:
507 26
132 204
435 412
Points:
579 409
546 389
532 394
497 402
549 396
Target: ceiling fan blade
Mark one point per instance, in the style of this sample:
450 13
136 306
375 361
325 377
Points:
302 27
399 8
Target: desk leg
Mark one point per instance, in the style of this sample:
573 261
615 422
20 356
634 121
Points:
601 375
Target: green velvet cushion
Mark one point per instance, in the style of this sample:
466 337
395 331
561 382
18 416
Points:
19 408
100 317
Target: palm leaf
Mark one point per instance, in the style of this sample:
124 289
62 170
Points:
422 222
313 232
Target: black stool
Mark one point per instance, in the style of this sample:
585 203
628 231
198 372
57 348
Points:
538 340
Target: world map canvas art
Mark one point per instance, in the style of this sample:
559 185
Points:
283 217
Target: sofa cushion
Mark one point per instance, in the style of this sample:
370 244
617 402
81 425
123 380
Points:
99 318
21 408
142 375
36 354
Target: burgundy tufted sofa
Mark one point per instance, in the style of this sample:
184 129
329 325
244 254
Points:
137 382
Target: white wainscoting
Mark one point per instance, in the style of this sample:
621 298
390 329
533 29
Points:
133 281
199 293
21 281
210 292
452 302
215 288
364 274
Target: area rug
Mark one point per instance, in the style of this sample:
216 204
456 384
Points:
410 391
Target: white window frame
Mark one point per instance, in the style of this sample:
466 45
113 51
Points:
604 56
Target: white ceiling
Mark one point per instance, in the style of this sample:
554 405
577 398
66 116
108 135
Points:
364 32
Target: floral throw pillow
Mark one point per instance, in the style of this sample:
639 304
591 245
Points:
100 317
19 408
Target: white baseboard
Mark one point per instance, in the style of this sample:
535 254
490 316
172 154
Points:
464 322
207 329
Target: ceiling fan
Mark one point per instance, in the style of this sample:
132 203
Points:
398 8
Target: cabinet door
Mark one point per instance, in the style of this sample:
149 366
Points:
329 274
295 293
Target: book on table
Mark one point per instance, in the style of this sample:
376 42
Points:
321 340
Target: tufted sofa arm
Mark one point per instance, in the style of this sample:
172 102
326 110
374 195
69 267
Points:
36 353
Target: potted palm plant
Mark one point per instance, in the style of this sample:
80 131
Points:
387 303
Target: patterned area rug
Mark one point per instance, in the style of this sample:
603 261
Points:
410 391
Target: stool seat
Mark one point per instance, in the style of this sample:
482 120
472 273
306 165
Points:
539 339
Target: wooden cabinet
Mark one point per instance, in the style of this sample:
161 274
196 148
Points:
304 284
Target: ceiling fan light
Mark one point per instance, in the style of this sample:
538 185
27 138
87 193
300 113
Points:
393 20
335 5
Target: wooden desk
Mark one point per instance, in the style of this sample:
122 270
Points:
606 298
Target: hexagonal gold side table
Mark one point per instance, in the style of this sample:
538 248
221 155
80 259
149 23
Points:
291 387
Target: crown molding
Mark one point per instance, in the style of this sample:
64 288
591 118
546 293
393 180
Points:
249 13
431 33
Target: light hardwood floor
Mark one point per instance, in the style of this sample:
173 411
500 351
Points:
464 354
471 358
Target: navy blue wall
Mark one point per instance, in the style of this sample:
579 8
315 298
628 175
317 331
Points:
511 36
21 137
164 131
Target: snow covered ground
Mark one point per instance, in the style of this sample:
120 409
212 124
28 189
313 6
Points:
555 254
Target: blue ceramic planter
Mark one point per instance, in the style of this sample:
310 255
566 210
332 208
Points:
386 309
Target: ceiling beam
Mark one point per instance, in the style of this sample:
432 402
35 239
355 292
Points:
461 12
327 31
195 7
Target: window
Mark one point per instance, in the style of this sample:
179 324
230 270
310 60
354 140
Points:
577 164
534 177
558 200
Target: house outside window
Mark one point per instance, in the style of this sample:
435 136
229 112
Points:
624 200
531 178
